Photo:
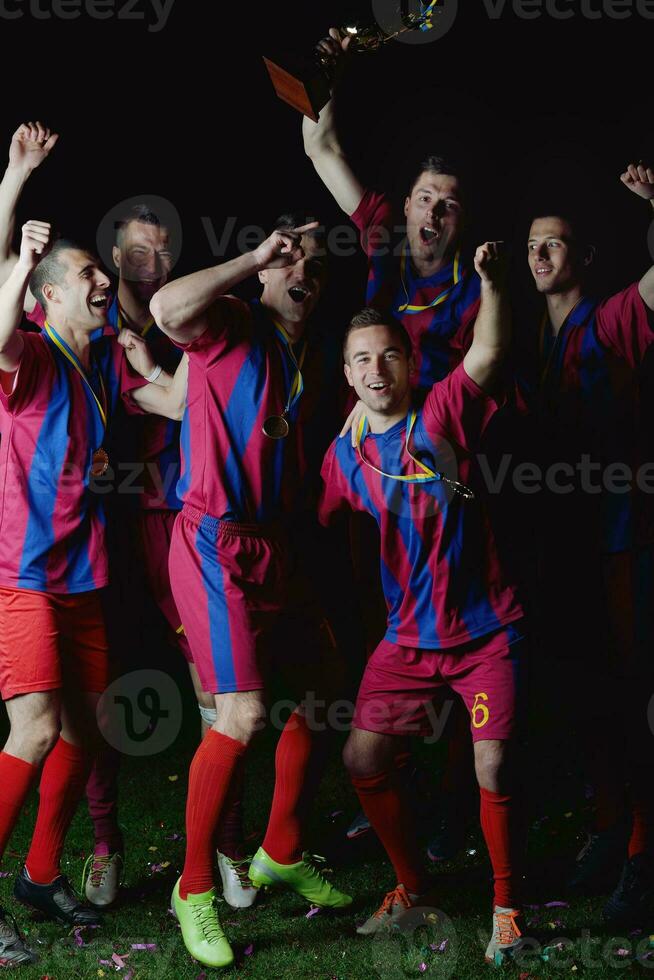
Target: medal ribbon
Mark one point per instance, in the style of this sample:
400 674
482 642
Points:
119 321
297 385
61 345
427 15
427 473
408 307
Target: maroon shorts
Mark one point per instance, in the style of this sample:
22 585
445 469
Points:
404 691
156 530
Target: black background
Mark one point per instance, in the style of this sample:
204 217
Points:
189 113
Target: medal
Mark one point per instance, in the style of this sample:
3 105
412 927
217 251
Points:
426 475
275 427
99 463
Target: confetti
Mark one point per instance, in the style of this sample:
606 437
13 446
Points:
248 951
555 905
78 938
423 967
5 874
173 779
622 952
175 837
568 815
153 848
312 911
119 960
150 947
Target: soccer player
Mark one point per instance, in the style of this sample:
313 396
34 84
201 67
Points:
597 583
57 394
424 283
242 465
453 617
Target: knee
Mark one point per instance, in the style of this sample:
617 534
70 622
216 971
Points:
490 768
35 743
242 722
360 761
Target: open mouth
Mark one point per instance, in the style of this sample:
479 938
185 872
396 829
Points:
428 234
298 294
99 302
542 270
379 386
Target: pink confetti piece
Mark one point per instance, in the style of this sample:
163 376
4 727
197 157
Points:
105 962
5 874
201 976
175 837
151 947
555 905
335 813
622 952
423 967
249 950
78 938
312 911
129 975
119 960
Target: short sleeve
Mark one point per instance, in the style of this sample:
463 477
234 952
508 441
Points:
374 219
458 410
35 368
229 320
36 316
625 325
334 499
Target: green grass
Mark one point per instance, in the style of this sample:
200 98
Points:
285 944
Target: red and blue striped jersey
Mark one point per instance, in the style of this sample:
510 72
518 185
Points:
589 405
51 522
440 334
240 375
145 443
440 570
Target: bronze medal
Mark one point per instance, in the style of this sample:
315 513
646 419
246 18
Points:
275 427
99 463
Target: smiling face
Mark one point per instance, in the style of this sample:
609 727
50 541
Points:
556 262
434 215
293 291
143 257
378 367
81 295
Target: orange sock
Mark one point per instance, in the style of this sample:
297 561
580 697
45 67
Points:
62 784
210 774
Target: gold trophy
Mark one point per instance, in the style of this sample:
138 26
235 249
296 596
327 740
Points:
306 83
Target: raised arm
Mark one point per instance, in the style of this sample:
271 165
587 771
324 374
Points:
36 235
321 143
640 180
30 145
180 307
492 334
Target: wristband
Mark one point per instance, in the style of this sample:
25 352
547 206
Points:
155 374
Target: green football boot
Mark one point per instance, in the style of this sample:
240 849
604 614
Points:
302 877
201 930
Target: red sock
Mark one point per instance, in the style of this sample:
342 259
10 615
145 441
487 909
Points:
229 839
283 840
496 815
208 784
62 783
16 778
385 806
641 840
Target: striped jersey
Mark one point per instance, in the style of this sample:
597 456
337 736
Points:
51 522
589 410
240 374
440 571
145 450
442 333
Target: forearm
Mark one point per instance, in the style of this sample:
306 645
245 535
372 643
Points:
12 295
168 400
11 189
183 300
492 337
322 146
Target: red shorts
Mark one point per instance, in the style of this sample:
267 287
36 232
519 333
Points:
49 640
156 530
229 584
404 690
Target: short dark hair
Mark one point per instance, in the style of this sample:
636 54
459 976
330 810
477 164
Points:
50 268
370 317
434 164
574 214
296 219
139 212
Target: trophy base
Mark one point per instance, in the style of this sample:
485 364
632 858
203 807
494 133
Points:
305 88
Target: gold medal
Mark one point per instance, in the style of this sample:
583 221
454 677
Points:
99 463
275 427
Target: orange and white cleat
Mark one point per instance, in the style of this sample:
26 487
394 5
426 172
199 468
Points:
506 939
395 904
